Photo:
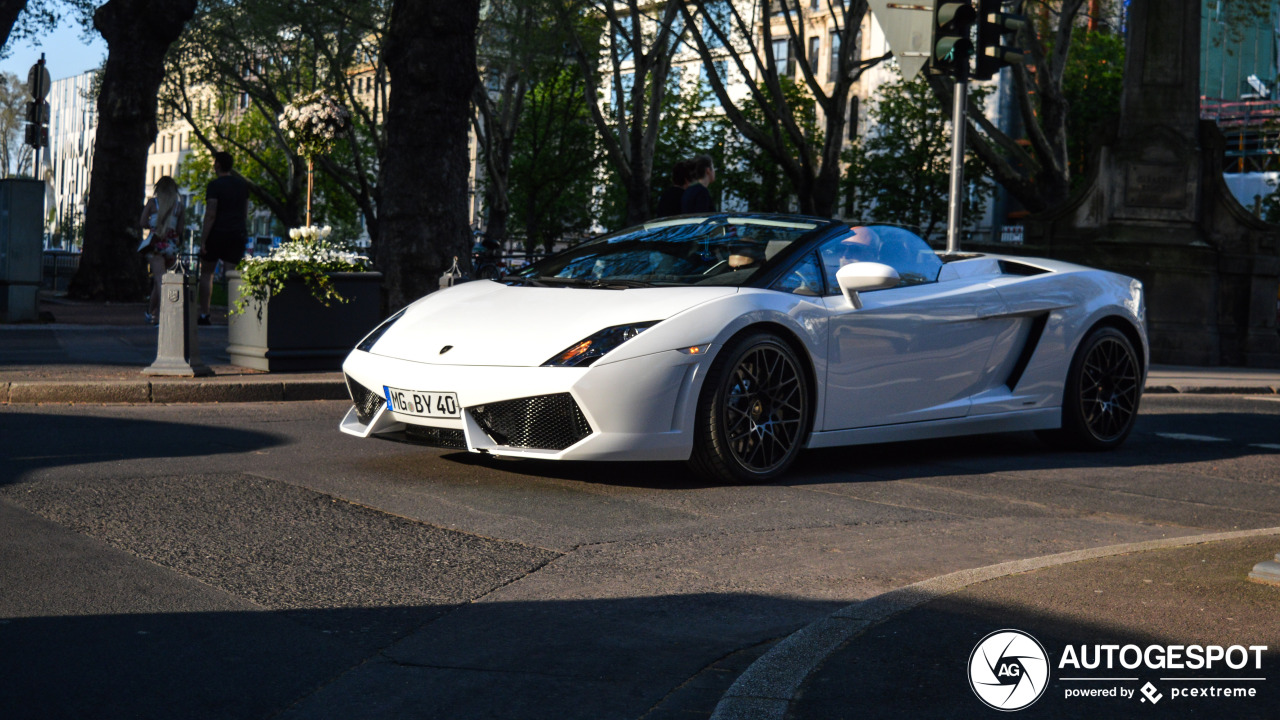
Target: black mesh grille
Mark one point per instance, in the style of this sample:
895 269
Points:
436 437
366 401
543 422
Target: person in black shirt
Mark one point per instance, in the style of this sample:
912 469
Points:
225 231
696 198
669 201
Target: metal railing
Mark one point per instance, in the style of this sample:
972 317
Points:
59 267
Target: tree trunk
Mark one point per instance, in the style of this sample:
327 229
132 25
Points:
499 209
138 32
9 11
638 197
431 54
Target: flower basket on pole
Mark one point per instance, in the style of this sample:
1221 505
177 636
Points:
313 123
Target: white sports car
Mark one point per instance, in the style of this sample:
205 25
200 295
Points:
733 341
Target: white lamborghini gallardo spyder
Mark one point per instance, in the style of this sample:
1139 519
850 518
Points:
734 341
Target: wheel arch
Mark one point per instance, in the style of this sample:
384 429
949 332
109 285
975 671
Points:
797 346
1125 326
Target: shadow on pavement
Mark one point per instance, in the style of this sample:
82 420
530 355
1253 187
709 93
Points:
966 455
32 441
916 665
588 659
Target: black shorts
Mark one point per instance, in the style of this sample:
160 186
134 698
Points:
228 250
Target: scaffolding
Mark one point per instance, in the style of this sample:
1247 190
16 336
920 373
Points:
1252 130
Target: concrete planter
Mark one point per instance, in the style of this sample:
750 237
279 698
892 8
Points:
297 332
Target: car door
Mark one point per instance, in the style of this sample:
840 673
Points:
909 354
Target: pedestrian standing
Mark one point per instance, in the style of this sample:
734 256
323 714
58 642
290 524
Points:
696 198
162 215
670 201
226 223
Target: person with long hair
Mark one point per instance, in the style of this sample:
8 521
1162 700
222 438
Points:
162 217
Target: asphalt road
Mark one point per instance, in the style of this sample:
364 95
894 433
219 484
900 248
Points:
247 561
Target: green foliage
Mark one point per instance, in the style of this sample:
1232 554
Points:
691 125
1269 207
13 105
901 172
1092 84
237 66
257 138
309 255
750 174
553 161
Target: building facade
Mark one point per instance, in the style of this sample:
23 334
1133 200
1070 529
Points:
73 123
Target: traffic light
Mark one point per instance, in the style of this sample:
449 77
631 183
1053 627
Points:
993 26
37 136
951 44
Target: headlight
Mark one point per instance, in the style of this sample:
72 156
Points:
372 338
585 352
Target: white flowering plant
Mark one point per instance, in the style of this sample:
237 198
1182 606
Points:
313 123
308 255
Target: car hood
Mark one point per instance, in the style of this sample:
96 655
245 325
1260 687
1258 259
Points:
488 323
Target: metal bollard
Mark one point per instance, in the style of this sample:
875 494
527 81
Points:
178 348
1267 572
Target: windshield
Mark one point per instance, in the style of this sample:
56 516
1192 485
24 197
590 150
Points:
719 250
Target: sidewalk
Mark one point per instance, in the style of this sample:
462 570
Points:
95 352
907 654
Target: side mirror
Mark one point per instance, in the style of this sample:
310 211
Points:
862 277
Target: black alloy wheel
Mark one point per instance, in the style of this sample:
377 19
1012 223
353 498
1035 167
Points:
1102 394
753 412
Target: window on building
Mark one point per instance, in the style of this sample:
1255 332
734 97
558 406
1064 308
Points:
782 56
720 68
621 36
853 118
815 47
675 80
628 82
833 69
721 14
815 4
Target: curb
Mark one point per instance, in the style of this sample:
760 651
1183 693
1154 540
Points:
19 392
1211 390
170 391
766 690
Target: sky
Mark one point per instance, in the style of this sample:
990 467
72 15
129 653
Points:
66 54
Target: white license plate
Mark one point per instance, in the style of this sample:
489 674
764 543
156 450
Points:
423 403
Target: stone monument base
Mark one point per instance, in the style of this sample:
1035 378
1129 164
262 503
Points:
1211 269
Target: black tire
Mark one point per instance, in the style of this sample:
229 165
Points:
1102 393
753 412
488 272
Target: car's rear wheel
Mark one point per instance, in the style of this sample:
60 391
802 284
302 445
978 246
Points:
753 412
1102 393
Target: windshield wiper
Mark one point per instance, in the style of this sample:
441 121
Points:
619 283
521 280
596 283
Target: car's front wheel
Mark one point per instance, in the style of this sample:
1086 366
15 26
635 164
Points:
753 412
1102 392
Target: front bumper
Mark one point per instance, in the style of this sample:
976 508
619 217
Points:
636 409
